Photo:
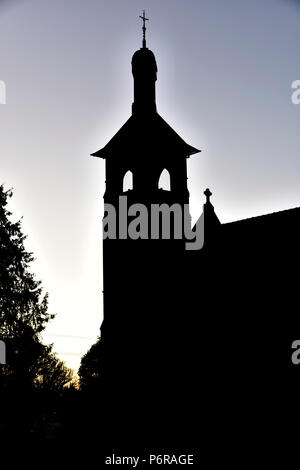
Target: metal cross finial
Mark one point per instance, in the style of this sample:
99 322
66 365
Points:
207 193
144 27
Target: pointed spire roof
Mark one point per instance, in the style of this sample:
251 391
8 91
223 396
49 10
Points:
148 131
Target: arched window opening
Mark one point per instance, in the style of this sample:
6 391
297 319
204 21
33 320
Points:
128 181
164 181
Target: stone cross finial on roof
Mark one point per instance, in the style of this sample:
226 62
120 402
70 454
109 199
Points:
207 193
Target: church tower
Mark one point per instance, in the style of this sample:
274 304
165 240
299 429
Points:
143 278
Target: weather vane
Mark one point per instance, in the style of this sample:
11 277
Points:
144 27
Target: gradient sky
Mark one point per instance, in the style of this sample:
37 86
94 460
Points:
225 70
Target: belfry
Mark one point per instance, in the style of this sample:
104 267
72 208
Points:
146 145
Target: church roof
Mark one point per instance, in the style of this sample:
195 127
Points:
148 131
277 227
279 218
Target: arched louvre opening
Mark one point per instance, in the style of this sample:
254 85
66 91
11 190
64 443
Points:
128 181
164 181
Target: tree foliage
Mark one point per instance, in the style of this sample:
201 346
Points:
90 371
21 302
53 375
23 313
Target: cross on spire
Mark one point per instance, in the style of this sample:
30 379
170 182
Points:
207 193
144 28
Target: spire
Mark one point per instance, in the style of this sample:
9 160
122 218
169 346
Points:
144 28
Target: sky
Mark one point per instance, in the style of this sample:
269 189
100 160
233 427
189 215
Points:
225 71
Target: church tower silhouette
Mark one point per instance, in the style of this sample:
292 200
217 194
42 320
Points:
144 279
